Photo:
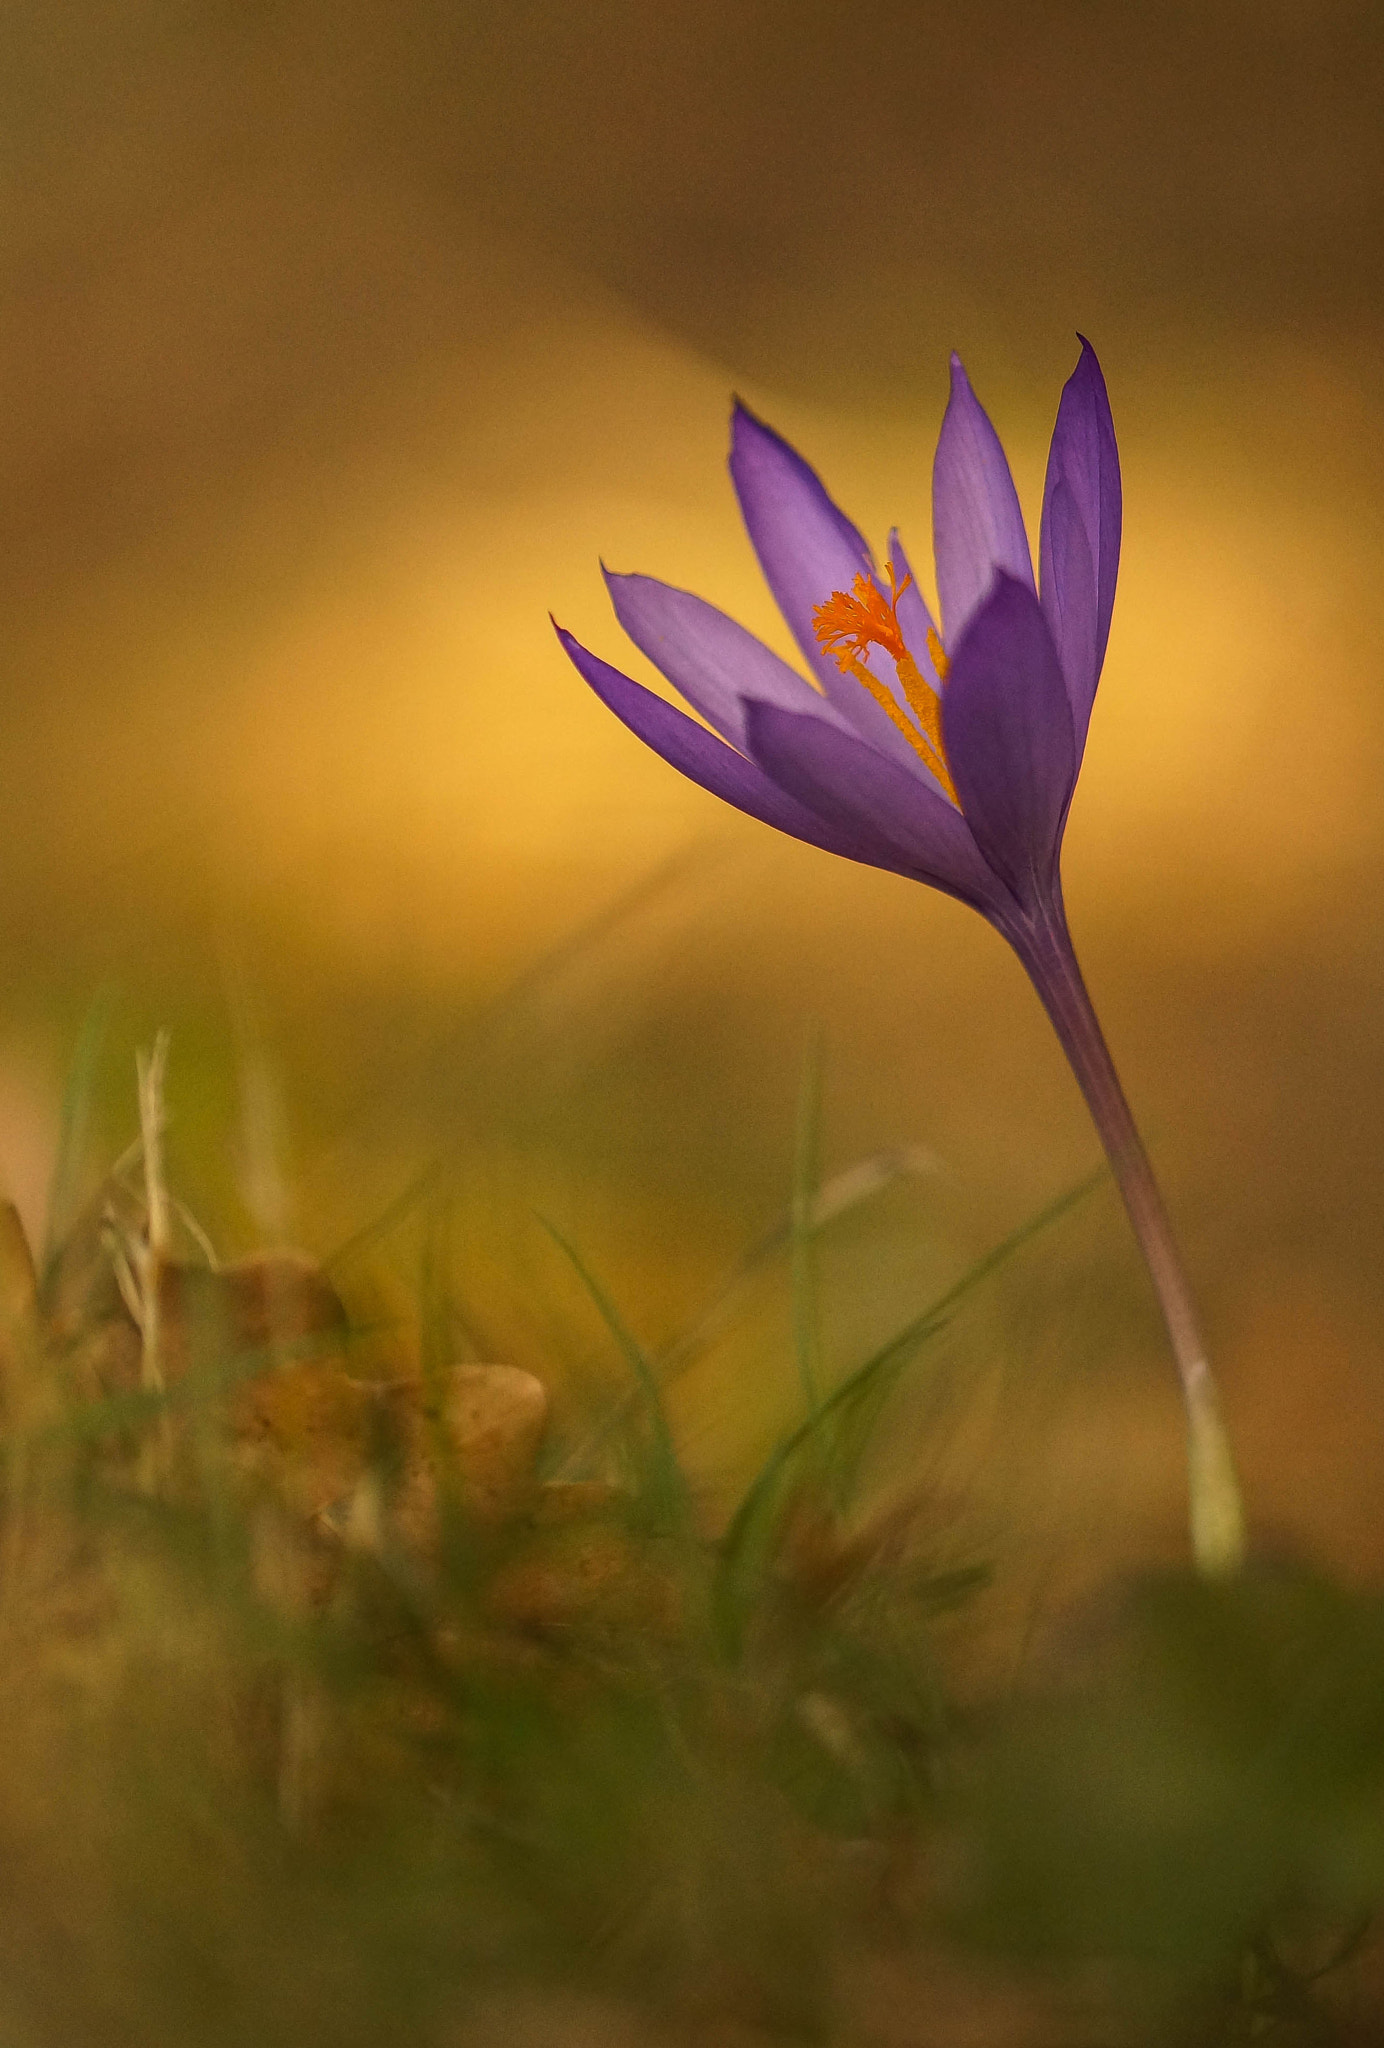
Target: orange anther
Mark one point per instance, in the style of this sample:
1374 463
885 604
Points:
849 624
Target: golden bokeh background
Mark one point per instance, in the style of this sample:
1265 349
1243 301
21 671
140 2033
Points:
340 342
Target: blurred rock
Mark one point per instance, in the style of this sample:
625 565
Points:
495 1417
305 1430
274 1302
591 1574
482 1440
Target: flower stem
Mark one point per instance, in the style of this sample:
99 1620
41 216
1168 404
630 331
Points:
1216 1514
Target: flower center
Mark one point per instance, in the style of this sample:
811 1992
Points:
848 625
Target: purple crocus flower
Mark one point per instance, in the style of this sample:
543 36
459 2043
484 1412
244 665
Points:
948 754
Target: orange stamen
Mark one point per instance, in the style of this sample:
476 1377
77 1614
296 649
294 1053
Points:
848 625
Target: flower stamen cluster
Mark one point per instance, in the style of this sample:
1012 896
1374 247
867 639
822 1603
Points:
848 624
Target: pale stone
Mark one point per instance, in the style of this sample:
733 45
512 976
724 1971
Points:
494 1417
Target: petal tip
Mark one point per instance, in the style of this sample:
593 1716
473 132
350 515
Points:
567 641
1087 373
745 420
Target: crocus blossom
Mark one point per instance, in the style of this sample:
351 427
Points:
945 751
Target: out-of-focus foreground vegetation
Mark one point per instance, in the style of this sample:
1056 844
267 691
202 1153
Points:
358 1687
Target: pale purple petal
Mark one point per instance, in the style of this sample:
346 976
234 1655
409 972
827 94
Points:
1007 725
708 761
1079 548
712 661
977 527
839 778
806 545
808 548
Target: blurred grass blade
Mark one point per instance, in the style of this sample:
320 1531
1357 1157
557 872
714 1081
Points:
74 1131
807 1147
845 1191
394 1213
665 1484
836 1197
855 1184
846 1418
261 1147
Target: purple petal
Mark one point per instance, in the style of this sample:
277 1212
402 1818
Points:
1069 597
840 778
704 759
1007 724
807 548
977 527
806 545
1079 548
712 661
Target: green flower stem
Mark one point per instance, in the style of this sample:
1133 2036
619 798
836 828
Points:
1216 1514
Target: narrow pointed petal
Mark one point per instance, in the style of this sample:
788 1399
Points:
708 761
807 548
1010 745
1079 548
806 545
842 780
977 526
715 664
